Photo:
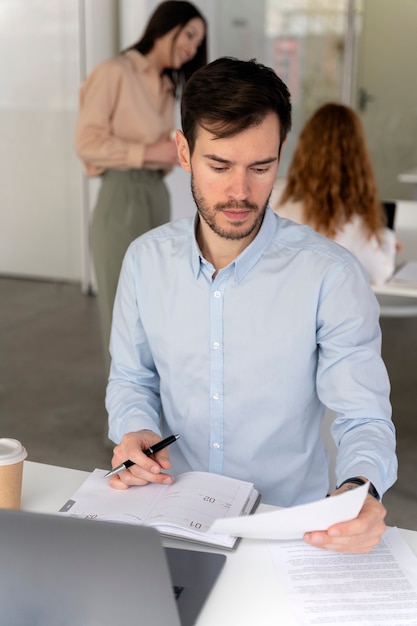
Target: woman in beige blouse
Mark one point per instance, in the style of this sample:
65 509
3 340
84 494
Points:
124 134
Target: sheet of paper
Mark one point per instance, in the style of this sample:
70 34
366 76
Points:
374 589
293 522
407 272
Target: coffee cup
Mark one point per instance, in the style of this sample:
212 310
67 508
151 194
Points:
12 455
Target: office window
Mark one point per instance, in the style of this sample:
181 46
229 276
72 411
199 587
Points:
303 40
307 47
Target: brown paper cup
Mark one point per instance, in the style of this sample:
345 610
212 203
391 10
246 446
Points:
12 455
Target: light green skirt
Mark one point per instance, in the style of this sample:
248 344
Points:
129 204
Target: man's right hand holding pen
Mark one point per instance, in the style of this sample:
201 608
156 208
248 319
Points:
145 468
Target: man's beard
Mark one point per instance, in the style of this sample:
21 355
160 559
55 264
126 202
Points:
209 215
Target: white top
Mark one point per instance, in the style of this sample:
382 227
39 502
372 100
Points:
377 258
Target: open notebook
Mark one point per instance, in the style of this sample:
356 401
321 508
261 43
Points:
185 509
63 571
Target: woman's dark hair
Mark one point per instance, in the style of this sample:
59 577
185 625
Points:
167 16
229 95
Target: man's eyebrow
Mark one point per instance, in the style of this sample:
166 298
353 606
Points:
215 157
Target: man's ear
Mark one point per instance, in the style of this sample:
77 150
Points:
183 151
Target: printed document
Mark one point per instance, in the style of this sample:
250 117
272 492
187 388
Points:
329 588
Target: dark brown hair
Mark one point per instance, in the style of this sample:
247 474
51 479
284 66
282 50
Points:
167 16
331 173
229 95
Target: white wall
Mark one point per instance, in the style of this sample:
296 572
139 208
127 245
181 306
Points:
40 211
43 58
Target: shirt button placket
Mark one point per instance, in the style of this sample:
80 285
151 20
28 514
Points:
216 381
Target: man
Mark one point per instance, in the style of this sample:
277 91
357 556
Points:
237 328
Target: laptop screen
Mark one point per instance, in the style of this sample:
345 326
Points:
63 571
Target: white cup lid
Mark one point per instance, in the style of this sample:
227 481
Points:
11 451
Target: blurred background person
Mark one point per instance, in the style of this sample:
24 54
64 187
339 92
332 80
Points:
331 187
125 135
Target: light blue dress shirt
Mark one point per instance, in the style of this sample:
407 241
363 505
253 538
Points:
242 366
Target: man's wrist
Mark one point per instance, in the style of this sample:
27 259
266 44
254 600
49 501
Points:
359 482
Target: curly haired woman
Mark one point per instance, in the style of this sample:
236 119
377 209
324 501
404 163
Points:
331 187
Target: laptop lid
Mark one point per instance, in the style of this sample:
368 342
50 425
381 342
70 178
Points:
62 571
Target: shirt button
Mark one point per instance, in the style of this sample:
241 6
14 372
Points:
216 396
217 294
216 345
216 445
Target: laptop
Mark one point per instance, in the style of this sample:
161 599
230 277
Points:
64 571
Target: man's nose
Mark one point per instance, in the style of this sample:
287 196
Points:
238 186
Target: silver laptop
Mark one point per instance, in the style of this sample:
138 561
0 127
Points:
63 571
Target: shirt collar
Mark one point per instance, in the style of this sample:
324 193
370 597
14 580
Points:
250 255
142 65
196 256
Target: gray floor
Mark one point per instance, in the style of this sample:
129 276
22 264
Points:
52 383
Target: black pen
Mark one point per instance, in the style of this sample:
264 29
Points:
152 450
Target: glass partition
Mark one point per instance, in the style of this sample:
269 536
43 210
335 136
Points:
305 41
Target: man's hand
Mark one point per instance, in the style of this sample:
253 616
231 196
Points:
146 469
359 535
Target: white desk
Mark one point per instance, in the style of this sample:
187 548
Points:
395 289
248 591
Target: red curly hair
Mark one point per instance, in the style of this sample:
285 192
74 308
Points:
331 173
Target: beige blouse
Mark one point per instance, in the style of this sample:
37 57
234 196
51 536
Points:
124 106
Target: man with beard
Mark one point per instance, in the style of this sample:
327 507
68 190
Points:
237 328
